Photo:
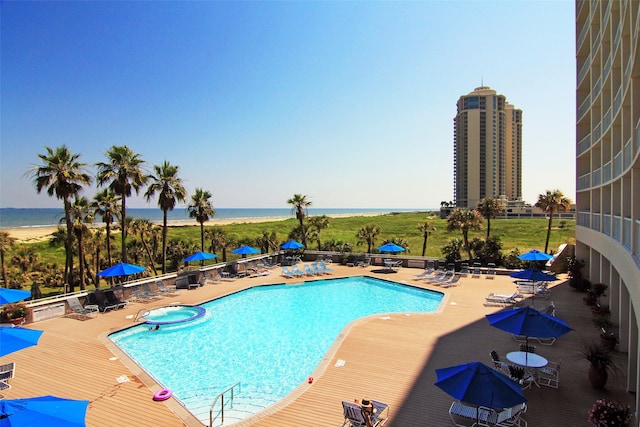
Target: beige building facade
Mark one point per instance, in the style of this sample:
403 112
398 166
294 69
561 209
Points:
607 165
487 148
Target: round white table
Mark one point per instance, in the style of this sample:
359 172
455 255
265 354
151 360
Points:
528 360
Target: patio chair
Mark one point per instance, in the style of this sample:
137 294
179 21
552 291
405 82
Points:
299 272
309 271
477 271
77 309
529 348
7 371
148 293
365 262
522 376
316 267
549 376
498 364
354 417
112 299
464 269
491 271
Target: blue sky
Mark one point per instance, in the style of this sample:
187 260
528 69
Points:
350 103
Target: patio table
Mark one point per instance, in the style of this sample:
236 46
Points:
531 361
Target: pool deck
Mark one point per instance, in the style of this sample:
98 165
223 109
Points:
388 358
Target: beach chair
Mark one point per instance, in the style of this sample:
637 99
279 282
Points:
322 267
7 372
287 273
309 271
112 299
354 417
477 271
365 262
164 289
97 298
502 300
148 293
78 310
453 281
491 271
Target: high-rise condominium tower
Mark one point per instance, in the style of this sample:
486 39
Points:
608 163
487 149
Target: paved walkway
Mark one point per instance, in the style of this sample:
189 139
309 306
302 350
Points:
389 358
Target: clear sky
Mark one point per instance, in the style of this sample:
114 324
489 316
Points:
350 103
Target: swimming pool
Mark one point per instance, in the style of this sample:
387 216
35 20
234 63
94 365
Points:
268 338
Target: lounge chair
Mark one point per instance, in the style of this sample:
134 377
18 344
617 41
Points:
424 274
299 272
322 267
112 299
287 273
365 262
451 282
77 309
354 417
148 293
503 300
438 280
98 299
309 271
477 271
491 271
164 289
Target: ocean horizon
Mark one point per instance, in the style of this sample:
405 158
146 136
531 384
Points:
51 217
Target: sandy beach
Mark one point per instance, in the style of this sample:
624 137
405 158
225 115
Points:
40 234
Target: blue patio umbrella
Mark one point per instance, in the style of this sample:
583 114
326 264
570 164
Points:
291 244
529 322
43 410
16 338
200 256
245 250
121 269
7 296
391 247
535 255
477 384
534 275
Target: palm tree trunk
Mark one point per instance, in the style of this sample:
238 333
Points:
164 241
488 227
108 245
148 251
546 245
80 260
4 270
465 237
68 268
202 236
424 245
123 224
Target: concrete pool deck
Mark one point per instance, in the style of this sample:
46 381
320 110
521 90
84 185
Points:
388 358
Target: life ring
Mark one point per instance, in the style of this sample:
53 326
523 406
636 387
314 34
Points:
163 394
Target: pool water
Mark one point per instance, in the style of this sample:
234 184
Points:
268 338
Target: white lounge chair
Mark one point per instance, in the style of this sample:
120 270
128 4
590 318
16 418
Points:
502 300
322 267
287 273
7 371
354 417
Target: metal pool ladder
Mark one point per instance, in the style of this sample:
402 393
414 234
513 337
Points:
220 397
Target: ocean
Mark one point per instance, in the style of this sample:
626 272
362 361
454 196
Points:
50 217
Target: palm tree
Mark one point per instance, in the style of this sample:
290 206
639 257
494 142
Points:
6 242
464 220
63 175
299 205
551 202
81 215
106 204
319 223
201 209
426 228
122 172
267 242
144 228
367 234
168 185
219 240
490 208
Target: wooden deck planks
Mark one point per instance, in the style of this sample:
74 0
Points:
389 359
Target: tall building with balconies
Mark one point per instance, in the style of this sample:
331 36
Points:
487 148
607 164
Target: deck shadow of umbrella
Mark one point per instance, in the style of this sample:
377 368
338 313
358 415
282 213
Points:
16 338
43 410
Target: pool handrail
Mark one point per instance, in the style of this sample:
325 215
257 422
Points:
221 396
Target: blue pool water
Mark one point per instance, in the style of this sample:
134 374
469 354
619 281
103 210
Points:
268 338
